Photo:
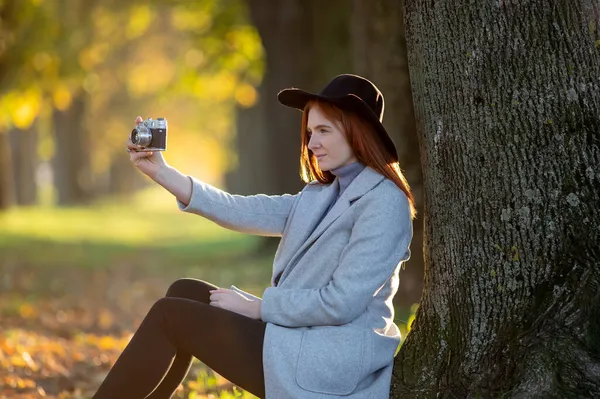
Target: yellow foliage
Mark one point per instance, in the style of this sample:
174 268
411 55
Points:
184 18
92 56
140 18
246 95
25 113
105 319
105 22
150 77
20 108
62 97
23 360
194 58
217 87
27 311
29 361
247 42
41 61
91 83
107 342
17 382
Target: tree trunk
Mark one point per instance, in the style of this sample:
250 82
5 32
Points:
379 48
251 175
25 162
123 178
72 164
7 189
507 103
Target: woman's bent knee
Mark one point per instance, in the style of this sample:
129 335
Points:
189 288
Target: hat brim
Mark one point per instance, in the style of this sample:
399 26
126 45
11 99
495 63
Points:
296 98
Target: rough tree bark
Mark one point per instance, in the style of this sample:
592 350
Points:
507 100
379 54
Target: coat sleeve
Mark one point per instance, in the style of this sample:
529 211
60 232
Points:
260 214
379 242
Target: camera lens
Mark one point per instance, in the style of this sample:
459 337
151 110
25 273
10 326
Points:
141 136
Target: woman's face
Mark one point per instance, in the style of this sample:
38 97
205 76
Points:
327 141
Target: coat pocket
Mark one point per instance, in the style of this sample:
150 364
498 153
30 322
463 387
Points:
332 359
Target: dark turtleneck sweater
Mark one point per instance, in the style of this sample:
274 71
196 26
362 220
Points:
345 175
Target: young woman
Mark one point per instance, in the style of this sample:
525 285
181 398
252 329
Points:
324 328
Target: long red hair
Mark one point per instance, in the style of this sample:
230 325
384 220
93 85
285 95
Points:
366 145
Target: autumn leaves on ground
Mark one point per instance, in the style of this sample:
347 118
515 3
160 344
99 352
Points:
75 283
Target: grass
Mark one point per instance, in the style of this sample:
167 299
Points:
148 221
147 231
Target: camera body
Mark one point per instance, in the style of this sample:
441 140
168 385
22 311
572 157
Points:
150 135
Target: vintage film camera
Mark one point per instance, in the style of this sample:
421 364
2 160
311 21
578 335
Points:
150 135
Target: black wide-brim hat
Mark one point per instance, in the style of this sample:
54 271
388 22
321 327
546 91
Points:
349 92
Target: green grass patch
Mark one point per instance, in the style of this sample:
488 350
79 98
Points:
149 225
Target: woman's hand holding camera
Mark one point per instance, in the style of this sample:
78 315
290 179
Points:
154 166
148 162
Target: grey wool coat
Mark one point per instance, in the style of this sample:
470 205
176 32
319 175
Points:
330 330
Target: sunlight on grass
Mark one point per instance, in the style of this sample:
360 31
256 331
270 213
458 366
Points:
147 230
213 386
149 219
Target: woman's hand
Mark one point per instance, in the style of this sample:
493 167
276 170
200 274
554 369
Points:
235 302
149 162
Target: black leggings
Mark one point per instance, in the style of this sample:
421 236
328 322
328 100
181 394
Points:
180 326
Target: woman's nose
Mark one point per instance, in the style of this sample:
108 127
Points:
313 142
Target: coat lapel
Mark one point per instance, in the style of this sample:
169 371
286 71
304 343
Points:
363 183
311 210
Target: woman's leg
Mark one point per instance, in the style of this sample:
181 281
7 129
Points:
229 343
196 290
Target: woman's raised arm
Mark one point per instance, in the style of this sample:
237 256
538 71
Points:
259 214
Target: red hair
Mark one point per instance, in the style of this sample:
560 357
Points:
366 146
